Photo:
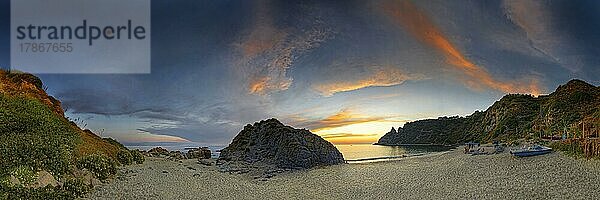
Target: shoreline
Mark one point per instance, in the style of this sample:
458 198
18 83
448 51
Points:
408 145
395 158
440 175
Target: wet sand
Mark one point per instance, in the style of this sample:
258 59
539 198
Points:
449 175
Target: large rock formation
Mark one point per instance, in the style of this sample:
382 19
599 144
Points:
270 143
512 117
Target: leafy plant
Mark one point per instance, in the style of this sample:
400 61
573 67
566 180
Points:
42 193
124 157
75 187
24 174
19 76
138 157
114 142
572 148
100 165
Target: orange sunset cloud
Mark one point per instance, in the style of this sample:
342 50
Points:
342 118
380 77
416 22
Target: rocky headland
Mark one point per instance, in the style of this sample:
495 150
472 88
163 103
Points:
270 146
515 116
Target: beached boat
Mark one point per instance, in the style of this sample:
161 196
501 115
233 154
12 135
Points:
531 151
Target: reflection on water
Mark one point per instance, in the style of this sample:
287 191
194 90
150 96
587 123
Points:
368 152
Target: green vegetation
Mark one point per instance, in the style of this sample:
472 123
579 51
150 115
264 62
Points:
25 175
32 135
75 187
25 77
138 157
71 189
102 166
35 136
124 157
47 192
114 142
515 116
572 148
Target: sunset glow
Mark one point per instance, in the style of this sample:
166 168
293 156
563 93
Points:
365 132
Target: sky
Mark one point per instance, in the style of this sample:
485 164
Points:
347 70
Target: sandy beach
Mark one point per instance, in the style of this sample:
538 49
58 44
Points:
448 175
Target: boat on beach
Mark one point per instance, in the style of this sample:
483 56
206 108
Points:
531 151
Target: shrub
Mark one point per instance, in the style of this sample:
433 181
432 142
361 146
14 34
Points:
19 77
114 142
21 192
572 148
24 174
75 187
138 157
71 189
124 157
102 166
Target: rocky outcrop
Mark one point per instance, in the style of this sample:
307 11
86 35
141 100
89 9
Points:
269 144
196 153
176 155
199 153
158 152
43 179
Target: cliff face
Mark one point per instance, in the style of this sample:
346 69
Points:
512 117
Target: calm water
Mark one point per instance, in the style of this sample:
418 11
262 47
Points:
354 153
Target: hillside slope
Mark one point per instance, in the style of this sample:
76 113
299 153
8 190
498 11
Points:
512 117
36 139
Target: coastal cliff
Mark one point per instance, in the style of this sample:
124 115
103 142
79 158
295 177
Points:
512 117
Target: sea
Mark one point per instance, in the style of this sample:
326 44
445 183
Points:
353 153
361 153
